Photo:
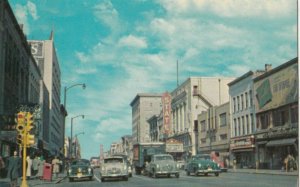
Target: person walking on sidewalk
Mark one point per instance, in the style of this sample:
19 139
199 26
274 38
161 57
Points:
55 164
29 166
40 173
35 166
14 166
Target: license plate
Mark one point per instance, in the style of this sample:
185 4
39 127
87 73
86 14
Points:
209 169
79 174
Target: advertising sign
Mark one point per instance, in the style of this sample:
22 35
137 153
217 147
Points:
278 89
166 102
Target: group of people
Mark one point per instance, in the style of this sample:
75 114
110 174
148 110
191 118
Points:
34 167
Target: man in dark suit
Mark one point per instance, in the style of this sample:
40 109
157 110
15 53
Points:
14 167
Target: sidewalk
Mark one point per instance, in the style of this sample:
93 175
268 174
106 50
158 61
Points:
4 182
264 171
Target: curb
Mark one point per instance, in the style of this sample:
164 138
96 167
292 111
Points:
265 173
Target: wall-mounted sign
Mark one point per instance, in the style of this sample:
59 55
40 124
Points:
242 142
166 102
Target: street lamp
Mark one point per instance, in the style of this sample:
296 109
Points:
70 147
65 103
76 142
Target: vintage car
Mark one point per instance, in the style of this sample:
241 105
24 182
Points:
162 164
129 166
114 167
202 164
80 169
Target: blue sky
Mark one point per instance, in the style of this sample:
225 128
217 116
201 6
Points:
121 48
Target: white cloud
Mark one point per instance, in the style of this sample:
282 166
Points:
133 41
31 7
232 8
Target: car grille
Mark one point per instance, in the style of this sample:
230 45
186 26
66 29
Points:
114 171
167 168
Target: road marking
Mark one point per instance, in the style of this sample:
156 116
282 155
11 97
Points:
97 178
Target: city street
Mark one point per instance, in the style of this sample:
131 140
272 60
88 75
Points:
225 179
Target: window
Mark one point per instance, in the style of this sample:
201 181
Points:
247 124
252 123
280 117
235 129
251 98
243 126
246 99
195 90
203 126
196 125
294 114
223 137
203 140
264 121
239 127
242 101
234 105
238 103
213 138
222 119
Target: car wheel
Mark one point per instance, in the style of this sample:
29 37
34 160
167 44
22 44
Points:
169 175
102 180
188 173
71 180
177 175
205 174
216 174
126 178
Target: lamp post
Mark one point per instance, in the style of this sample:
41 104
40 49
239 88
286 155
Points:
72 131
76 142
65 103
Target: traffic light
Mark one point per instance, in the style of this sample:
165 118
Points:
30 129
20 127
30 139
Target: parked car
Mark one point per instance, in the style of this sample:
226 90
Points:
162 164
80 169
114 167
202 164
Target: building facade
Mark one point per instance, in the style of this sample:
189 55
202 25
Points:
214 131
189 99
243 119
19 78
46 57
276 104
144 106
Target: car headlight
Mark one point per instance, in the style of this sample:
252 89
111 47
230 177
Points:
178 165
199 165
90 170
70 170
103 168
157 165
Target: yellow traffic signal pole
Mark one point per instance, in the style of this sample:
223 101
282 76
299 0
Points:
24 181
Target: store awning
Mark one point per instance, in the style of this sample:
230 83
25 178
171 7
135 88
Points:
282 142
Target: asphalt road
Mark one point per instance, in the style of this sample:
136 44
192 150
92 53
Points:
225 179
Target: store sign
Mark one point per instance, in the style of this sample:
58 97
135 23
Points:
242 143
37 48
174 146
278 89
7 123
281 132
166 101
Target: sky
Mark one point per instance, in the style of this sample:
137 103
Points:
120 48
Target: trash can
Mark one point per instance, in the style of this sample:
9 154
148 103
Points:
47 172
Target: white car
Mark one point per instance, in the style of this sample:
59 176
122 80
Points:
114 167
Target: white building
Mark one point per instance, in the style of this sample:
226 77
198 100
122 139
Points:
144 106
189 99
243 121
45 54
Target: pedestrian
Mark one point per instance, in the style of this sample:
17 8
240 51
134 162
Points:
2 167
35 165
29 166
40 172
14 167
55 164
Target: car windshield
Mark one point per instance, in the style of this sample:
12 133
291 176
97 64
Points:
113 160
164 157
80 162
201 157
